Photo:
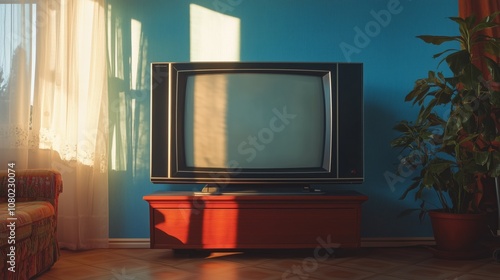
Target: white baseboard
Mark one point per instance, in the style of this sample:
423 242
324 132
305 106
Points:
143 243
397 241
129 243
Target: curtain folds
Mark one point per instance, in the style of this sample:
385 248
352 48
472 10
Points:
64 68
481 9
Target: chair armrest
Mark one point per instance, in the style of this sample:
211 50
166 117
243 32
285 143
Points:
33 184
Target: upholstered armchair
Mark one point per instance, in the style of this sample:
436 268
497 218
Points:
28 222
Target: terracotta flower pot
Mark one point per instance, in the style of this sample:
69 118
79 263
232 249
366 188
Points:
458 232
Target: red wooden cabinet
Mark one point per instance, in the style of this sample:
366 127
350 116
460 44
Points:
181 220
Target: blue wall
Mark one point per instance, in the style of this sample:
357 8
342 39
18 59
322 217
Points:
379 33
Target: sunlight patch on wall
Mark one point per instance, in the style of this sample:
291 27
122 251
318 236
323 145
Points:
115 45
214 36
135 36
118 134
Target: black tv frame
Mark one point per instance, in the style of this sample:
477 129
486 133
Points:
343 83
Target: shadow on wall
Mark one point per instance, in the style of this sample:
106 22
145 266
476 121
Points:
131 28
384 186
128 96
128 93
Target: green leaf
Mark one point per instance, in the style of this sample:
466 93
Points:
483 25
471 76
421 215
438 40
402 126
441 76
445 96
493 68
495 99
428 179
457 61
481 158
438 166
443 52
453 125
495 167
425 111
435 120
492 46
487 22
492 16
419 91
413 186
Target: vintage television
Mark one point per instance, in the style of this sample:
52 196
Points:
248 124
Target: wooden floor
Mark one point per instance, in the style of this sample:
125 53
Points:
365 263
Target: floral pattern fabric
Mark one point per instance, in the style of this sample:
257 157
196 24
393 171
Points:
36 247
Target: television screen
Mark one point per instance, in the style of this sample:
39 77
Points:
254 120
256 123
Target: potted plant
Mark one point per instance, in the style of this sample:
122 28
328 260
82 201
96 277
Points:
453 144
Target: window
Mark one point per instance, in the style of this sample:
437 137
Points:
17 57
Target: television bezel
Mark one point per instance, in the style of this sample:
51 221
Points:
168 91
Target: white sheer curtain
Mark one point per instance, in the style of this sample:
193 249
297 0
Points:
68 130
17 40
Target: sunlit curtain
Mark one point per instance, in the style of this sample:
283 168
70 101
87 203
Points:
17 40
68 130
481 9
